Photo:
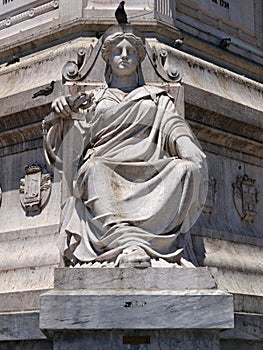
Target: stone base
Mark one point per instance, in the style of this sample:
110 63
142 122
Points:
138 340
154 308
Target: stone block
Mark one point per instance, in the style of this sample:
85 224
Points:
138 340
248 327
20 326
88 299
115 309
22 301
144 279
27 345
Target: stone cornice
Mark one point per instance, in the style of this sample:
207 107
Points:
227 140
28 14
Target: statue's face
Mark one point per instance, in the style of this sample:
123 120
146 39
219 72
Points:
124 58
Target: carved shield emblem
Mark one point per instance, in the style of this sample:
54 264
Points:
245 196
35 188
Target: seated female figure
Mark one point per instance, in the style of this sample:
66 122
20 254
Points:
139 185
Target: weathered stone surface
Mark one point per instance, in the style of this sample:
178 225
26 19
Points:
248 303
27 345
129 302
20 326
27 278
224 16
247 327
116 309
233 344
21 301
229 255
139 340
144 279
25 252
32 256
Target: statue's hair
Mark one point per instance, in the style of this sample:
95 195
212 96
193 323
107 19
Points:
117 33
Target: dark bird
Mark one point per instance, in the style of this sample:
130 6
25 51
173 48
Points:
45 91
178 43
13 60
120 14
224 43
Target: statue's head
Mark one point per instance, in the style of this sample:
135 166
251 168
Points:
123 50
116 34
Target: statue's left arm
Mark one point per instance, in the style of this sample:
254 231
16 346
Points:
181 140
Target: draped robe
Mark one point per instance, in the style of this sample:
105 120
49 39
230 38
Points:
131 187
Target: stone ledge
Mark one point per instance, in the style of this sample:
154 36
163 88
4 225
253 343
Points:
248 304
23 301
20 326
139 279
247 327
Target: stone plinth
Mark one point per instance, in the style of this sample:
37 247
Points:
151 308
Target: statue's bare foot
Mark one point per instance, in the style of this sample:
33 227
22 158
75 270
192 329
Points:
133 256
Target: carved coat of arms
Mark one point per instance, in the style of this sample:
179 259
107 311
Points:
245 195
35 188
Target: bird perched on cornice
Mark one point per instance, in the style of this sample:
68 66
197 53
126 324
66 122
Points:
178 43
13 60
120 14
224 43
45 91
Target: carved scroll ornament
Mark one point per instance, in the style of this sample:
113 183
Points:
163 61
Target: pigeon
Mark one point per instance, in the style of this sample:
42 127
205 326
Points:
13 60
178 43
224 43
120 14
45 91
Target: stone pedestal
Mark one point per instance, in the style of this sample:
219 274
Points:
150 308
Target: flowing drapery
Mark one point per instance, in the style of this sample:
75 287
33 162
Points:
131 187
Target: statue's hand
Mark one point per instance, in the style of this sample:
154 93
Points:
65 105
83 100
186 149
61 106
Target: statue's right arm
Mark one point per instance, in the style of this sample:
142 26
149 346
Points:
64 105
62 108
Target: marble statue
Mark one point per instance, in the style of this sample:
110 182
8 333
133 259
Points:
140 180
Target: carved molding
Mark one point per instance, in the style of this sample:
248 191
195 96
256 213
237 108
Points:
245 196
30 13
0 196
35 188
